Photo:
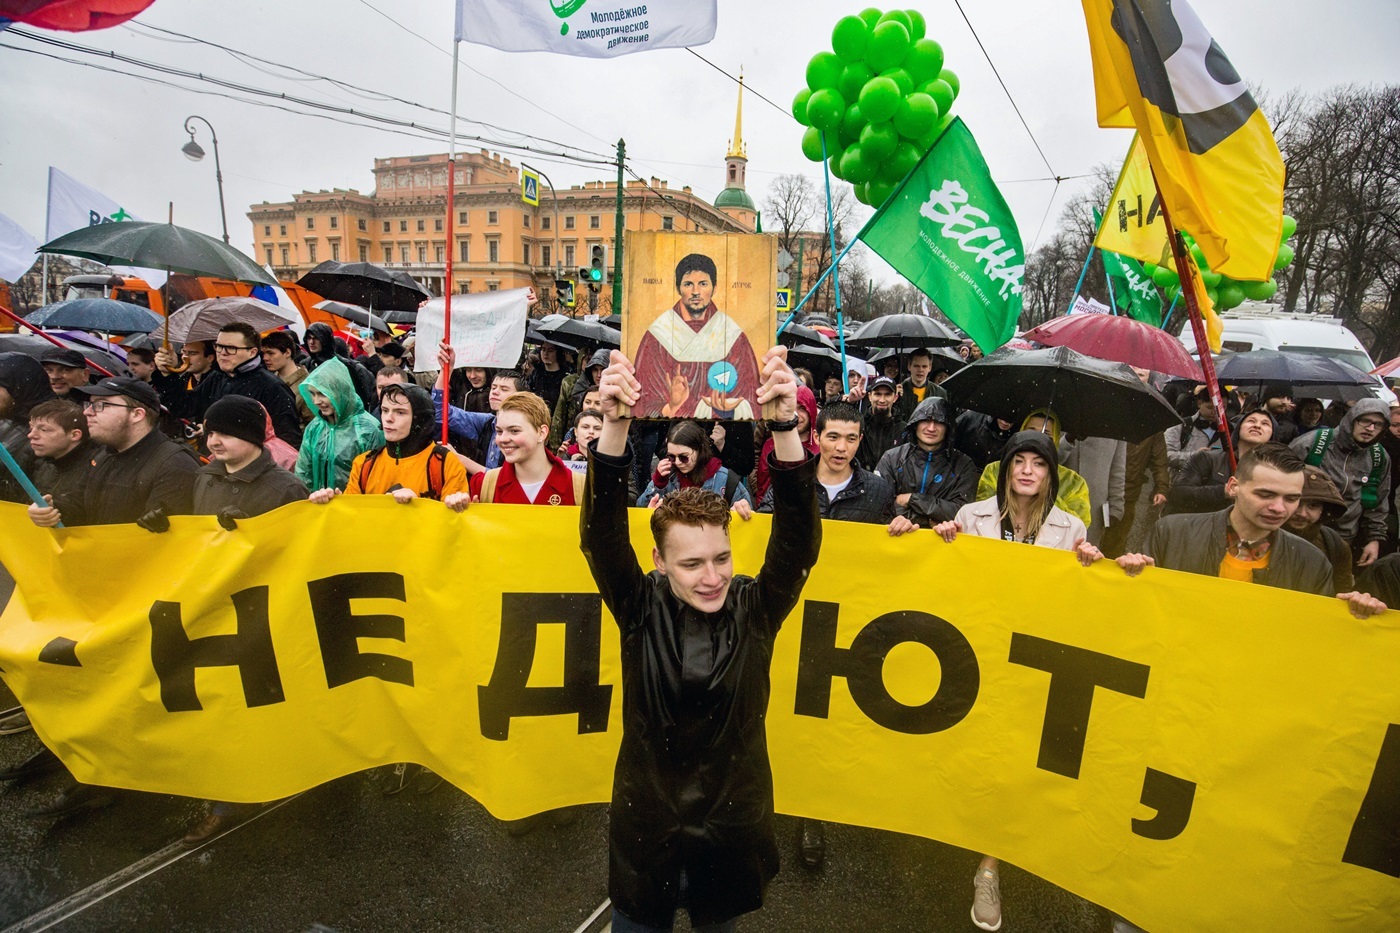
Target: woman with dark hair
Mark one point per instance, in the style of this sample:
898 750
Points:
690 461
1023 510
471 388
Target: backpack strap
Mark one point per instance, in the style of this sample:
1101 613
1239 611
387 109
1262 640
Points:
436 481
731 485
1320 443
367 467
580 479
488 485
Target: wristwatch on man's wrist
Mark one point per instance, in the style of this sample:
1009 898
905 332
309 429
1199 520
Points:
788 425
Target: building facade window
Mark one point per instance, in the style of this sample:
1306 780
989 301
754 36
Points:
668 223
493 217
526 219
268 250
364 253
335 250
422 226
403 255
388 255
441 253
569 255
361 225
595 222
493 250
493 286
267 231
403 226
422 255
437 225
310 250
311 223
462 218
335 222
283 229
545 222
386 226
569 222
464 248
464 288
544 256
525 253
284 256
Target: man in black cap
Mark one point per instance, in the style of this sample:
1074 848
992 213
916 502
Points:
879 429
146 478
238 351
66 369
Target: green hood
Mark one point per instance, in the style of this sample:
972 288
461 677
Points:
333 380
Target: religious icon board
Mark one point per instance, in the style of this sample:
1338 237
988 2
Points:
699 313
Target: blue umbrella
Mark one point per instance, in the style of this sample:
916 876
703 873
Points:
100 314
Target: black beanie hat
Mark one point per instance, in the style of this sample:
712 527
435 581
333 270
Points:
238 416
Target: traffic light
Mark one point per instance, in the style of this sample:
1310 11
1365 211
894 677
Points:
564 292
597 266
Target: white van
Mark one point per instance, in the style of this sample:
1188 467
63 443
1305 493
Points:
1258 326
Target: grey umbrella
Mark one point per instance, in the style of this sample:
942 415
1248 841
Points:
202 320
355 315
103 315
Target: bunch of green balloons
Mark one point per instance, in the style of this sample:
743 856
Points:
1225 293
881 97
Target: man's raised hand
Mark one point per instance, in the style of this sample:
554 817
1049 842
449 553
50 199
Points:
618 387
779 384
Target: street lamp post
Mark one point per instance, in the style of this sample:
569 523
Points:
194 152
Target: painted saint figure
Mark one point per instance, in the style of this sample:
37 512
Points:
694 360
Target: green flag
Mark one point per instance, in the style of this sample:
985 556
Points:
948 230
1133 289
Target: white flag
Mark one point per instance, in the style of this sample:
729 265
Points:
73 205
592 28
488 329
16 250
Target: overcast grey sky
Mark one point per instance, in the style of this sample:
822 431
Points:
123 136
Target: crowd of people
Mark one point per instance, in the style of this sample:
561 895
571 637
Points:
1295 494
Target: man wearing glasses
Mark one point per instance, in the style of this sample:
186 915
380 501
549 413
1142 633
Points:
238 351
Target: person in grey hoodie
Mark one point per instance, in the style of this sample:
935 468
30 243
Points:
1352 457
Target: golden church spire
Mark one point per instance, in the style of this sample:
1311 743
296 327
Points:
736 145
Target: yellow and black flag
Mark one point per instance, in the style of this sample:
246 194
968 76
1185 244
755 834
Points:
1217 167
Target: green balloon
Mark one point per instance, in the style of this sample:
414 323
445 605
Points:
1284 257
889 43
878 141
1214 297
925 61
878 192
1231 296
834 166
812 144
918 26
853 122
824 71
1164 277
853 78
880 98
898 16
825 110
799 106
1199 256
1259 291
916 115
860 193
1149 268
1290 227
906 156
941 92
1212 279
850 37
952 80
1171 291
900 77
855 167
871 15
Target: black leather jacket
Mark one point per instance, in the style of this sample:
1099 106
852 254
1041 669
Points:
693 789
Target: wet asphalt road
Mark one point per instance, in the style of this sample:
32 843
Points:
345 857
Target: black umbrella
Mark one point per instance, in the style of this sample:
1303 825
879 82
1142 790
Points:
1260 367
354 314
400 317
577 333
1093 398
903 332
365 284
799 335
31 345
100 314
159 246
943 361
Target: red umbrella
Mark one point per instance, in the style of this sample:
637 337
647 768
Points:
1121 339
72 15
1388 368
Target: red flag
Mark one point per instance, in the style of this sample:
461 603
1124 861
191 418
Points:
72 15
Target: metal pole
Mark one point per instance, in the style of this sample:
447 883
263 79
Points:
451 243
218 169
44 283
818 284
617 235
1082 273
553 196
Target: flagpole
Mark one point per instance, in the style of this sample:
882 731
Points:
451 244
820 279
1168 319
835 266
1082 274
1185 268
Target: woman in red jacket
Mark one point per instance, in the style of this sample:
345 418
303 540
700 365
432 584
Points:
531 475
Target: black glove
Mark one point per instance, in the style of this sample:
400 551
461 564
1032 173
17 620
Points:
155 521
228 517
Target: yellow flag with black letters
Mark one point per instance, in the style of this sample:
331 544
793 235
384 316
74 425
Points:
1217 166
1191 753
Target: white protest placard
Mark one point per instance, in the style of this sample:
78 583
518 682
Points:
1084 305
488 329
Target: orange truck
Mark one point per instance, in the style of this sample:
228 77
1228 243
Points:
184 289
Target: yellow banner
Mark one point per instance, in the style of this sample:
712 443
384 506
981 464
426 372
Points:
1195 754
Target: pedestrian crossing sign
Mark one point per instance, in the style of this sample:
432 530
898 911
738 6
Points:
529 187
784 299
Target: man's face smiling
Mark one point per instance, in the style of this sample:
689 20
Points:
696 291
